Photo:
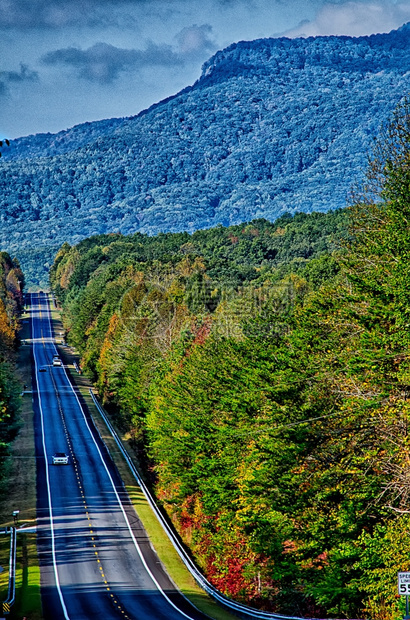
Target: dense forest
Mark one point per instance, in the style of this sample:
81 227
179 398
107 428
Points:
271 126
262 370
11 300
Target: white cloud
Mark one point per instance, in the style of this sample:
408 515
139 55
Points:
354 19
54 14
195 42
103 62
25 74
11 78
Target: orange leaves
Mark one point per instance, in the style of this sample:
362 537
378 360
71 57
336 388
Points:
186 267
7 333
289 546
202 332
108 340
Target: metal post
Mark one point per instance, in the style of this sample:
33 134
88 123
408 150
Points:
407 617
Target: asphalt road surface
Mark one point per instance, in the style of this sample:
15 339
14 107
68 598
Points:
95 558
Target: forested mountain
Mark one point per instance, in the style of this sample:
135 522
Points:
271 126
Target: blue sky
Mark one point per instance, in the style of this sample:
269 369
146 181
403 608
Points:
65 62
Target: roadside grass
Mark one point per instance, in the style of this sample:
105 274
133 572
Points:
4 564
160 541
18 492
28 600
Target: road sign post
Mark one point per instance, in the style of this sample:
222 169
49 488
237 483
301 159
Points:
404 590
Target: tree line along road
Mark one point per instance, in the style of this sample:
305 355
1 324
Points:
95 558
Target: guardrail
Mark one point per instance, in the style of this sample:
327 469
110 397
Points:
239 609
11 593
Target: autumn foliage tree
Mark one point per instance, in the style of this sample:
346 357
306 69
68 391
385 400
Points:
11 286
268 388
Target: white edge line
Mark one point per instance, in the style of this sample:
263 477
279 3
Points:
53 549
115 490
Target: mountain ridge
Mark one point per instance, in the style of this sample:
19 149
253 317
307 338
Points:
206 72
271 126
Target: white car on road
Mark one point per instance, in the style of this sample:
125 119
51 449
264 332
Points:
60 458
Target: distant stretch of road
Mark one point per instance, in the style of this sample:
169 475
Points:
95 558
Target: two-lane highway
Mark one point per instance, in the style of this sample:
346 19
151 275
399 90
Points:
95 558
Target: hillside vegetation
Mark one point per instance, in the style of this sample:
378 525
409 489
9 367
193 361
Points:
147 311
11 286
263 373
271 126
